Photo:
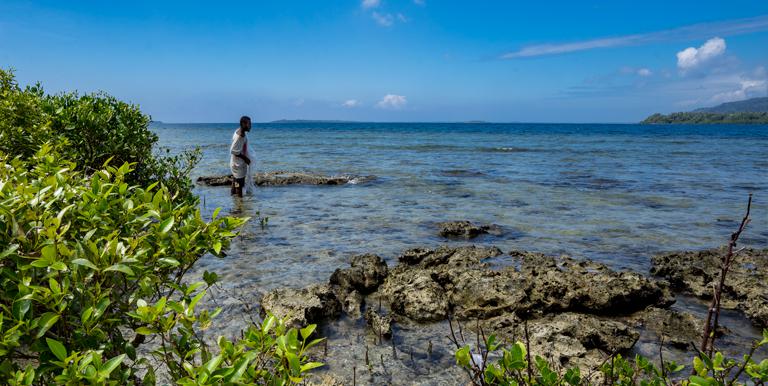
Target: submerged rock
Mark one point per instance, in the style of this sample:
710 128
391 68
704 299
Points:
301 307
380 324
465 229
366 273
281 178
698 272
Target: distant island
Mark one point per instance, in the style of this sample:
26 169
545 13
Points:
310 121
750 111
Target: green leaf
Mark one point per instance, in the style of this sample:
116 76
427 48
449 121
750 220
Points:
293 362
121 268
307 331
46 322
57 348
86 263
20 308
462 356
166 225
144 331
9 250
169 261
112 364
59 266
49 252
700 381
311 365
215 213
212 364
217 247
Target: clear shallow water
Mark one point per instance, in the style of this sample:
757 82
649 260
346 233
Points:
613 193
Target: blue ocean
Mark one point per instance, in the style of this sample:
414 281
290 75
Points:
613 193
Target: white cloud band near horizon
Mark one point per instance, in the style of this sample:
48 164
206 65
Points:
694 31
392 101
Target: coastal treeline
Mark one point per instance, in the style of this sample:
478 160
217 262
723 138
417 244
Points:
97 233
708 118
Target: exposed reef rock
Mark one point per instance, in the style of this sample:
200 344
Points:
380 324
428 283
679 329
466 229
303 306
570 339
365 274
282 178
698 272
577 311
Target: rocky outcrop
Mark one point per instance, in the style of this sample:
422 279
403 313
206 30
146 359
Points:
381 325
281 178
352 303
565 284
465 229
365 275
570 339
698 272
300 307
427 284
679 329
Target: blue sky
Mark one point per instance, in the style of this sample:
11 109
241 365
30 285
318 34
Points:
394 60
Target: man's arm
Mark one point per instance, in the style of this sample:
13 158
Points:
244 158
237 149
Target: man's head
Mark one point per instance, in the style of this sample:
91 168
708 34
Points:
245 123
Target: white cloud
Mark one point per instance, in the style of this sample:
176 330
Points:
747 88
351 103
692 57
419 2
370 3
392 101
644 72
402 18
383 19
695 31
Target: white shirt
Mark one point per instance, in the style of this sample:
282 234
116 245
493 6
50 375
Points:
239 146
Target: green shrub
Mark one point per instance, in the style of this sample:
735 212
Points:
91 267
513 368
88 130
23 126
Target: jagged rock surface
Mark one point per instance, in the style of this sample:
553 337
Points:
697 272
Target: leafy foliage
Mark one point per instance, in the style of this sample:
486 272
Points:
513 368
91 267
88 130
707 118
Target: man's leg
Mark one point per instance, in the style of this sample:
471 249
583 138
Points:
239 183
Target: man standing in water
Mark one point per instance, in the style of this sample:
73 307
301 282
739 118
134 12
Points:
239 160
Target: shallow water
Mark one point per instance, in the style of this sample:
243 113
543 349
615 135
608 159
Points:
613 193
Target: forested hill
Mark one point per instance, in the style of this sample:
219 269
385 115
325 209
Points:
754 105
754 111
